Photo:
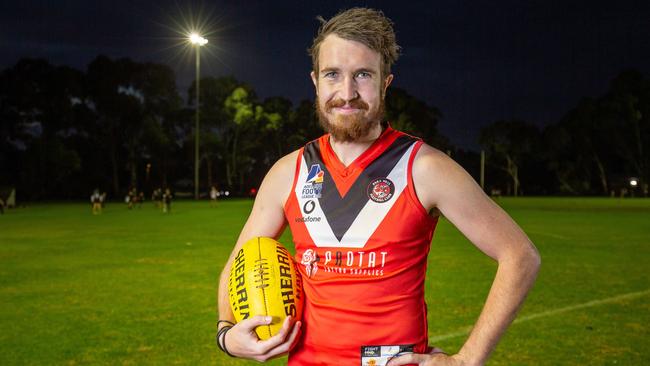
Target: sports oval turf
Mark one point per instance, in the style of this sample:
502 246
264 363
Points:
138 287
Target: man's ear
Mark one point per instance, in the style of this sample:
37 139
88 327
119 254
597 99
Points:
387 81
314 80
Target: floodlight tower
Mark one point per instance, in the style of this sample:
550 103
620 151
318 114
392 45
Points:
197 41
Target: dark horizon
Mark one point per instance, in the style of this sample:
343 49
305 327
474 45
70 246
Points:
477 63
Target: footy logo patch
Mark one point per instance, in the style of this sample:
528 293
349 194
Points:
315 174
381 190
314 183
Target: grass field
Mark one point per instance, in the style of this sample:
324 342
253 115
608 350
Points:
138 287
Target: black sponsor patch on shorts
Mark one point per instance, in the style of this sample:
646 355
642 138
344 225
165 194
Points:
380 355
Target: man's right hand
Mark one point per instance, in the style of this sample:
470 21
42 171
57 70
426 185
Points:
242 341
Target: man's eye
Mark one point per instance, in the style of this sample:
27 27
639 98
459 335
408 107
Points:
363 75
331 74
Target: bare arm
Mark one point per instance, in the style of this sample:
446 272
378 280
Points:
266 219
444 186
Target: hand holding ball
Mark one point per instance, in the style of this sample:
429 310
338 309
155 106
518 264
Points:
264 281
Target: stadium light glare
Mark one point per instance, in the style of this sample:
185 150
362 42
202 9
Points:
634 182
196 39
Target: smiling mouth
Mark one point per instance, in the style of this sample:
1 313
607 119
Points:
347 110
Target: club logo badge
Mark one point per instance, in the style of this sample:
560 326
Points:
381 190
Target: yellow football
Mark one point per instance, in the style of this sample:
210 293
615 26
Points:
264 281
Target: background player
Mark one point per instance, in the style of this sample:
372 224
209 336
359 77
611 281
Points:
96 200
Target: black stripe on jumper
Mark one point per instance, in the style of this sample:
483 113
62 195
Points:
342 210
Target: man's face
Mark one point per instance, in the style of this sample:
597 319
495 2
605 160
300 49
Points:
349 88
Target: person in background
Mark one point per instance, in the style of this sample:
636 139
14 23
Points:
96 201
156 197
167 201
213 196
140 199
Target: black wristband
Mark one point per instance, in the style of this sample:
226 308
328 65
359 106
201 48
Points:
222 346
219 333
224 321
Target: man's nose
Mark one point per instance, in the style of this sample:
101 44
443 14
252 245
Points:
349 89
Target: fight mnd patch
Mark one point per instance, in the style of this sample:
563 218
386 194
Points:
380 355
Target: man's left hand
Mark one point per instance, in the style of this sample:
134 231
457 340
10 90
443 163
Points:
421 359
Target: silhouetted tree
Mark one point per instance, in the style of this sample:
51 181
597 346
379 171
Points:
215 124
134 103
411 115
508 144
38 103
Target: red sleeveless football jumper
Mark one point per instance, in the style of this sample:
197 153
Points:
362 238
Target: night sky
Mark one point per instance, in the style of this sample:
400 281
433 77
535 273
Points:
477 61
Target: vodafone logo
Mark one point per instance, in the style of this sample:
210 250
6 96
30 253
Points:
308 207
381 190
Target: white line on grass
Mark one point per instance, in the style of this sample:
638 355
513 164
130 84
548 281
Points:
465 331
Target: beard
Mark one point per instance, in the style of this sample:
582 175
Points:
351 127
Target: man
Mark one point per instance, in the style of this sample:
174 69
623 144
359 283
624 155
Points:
156 197
214 194
167 198
131 198
362 207
96 201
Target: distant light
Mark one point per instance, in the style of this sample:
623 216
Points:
198 40
634 182
227 193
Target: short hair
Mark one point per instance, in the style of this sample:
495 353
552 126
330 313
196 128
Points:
367 26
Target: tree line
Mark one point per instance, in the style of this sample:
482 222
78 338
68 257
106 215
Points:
600 146
122 124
